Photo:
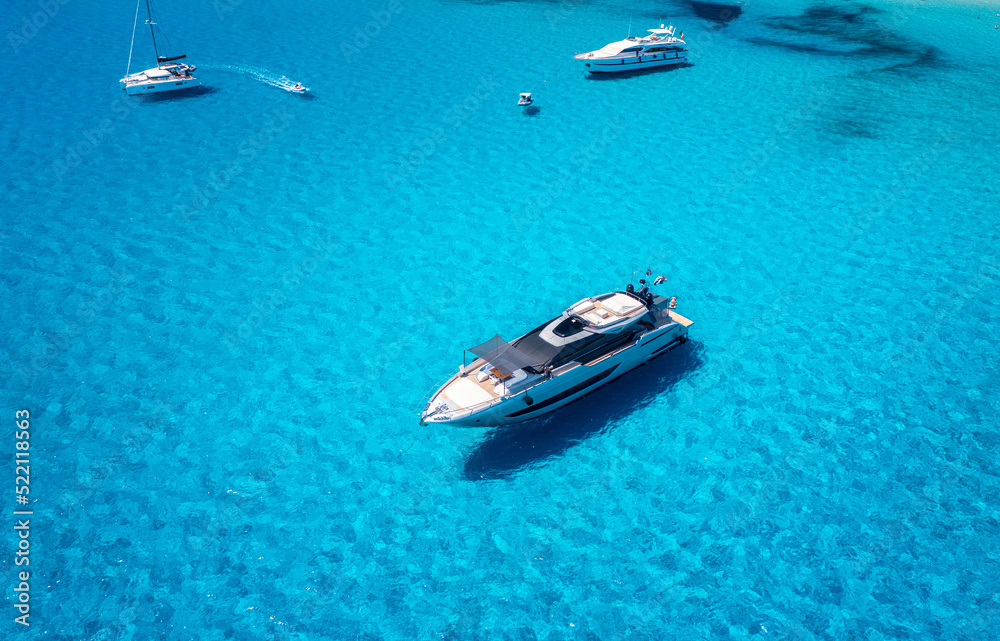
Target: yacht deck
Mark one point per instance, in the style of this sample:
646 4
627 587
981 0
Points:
160 75
460 384
611 310
677 318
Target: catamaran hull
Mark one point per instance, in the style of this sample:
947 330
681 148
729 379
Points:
161 86
572 385
618 65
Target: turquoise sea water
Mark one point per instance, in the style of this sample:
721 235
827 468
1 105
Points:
224 311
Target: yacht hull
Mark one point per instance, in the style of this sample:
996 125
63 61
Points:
619 65
160 86
572 385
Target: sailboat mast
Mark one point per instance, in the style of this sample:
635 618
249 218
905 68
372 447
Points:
152 32
135 21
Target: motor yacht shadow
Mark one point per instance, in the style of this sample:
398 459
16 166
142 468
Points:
508 450
182 94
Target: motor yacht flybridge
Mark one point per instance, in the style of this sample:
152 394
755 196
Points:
590 344
167 75
659 48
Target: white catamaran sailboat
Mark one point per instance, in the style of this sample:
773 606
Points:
167 75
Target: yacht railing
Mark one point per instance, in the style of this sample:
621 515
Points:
425 399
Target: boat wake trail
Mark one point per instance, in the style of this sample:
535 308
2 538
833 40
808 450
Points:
260 75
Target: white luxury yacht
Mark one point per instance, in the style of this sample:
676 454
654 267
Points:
655 50
590 344
167 75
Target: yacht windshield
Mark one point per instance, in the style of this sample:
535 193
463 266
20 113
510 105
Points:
568 327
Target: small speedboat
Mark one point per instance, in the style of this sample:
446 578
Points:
298 88
590 344
525 100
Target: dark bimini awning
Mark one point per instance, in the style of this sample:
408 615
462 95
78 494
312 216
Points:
170 58
502 355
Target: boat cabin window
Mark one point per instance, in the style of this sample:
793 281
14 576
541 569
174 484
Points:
590 349
576 348
631 49
605 347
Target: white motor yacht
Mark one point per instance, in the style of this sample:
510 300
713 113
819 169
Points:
657 49
589 345
167 75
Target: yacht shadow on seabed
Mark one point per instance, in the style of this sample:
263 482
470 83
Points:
508 450
169 96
